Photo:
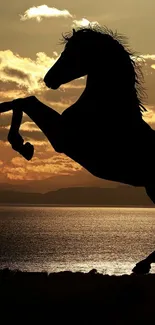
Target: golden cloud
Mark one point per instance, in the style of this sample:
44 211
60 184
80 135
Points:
148 56
84 23
14 173
25 72
43 11
39 168
29 126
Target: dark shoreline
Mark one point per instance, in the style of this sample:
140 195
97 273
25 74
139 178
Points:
76 206
126 299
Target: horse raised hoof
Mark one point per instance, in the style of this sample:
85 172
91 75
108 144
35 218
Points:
27 151
142 267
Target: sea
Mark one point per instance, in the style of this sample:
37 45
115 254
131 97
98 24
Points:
54 239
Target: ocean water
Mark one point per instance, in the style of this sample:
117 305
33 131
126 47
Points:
54 239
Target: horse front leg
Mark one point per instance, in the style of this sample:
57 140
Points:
47 119
15 139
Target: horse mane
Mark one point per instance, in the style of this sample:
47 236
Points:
122 41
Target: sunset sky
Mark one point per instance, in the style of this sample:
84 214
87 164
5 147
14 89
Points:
30 32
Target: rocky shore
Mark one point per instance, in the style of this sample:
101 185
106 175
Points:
83 298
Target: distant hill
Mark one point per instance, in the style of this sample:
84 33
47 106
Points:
85 196
78 179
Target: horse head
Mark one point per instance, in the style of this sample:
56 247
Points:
71 64
105 58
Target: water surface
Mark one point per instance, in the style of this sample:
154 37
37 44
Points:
55 239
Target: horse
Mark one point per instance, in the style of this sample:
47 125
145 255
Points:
103 130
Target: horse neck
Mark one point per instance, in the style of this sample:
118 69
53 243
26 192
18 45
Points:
94 87
100 94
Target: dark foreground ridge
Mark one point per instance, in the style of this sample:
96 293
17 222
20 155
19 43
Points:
83 298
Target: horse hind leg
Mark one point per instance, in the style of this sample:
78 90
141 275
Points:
150 190
149 178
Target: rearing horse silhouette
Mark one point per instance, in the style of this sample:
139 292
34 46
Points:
103 131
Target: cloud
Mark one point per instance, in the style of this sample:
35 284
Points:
16 73
44 11
83 23
25 72
29 132
14 173
148 56
29 126
39 168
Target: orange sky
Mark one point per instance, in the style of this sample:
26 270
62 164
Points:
29 38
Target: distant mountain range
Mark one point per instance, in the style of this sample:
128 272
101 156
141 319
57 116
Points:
81 196
78 179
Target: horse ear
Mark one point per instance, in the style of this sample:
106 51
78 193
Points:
74 31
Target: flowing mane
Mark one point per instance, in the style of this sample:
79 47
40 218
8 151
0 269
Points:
120 42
